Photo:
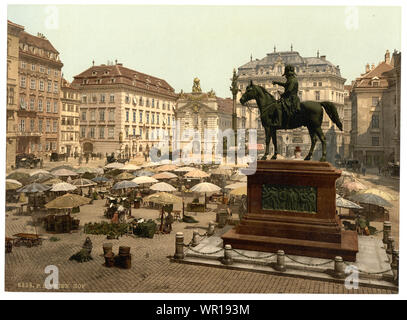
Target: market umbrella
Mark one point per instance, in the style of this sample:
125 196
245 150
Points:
124 185
38 171
347 174
22 177
205 187
33 188
63 186
239 191
166 167
344 203
162 198
164 175
370 198
114 165
354 186
130 167
196 174
219 171
385 195
83 182
84 170
13 184
67 201
144 179
64 173
236 185
144 173
163 186
52 181
237 177
150 164
184 169
41 177
124 176
100 179
62 167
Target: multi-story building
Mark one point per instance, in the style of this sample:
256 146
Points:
69 122
347 121
39 96
375 97
13 36
122 110
319 80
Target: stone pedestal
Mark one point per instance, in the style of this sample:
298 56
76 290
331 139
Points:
292 207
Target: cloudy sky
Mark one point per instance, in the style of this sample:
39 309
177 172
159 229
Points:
178 43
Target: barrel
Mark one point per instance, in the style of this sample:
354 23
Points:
126 261
109 259
123 251
107 248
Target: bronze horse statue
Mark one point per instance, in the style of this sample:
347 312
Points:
310 116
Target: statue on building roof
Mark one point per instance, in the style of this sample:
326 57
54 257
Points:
196 88
211 94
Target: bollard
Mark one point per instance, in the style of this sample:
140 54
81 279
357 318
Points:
211 228
386 231
280 266
227 259
339 268
179 246
390 245
195 238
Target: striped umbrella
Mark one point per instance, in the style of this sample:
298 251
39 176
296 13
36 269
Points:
63 186
34 188
162 186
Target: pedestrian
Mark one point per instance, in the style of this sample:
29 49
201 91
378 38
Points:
87 158
80 160
41 163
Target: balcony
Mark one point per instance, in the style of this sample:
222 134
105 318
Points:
28 134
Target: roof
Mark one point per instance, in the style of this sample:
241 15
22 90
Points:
103 74
378 72
15 24
225 105
41 43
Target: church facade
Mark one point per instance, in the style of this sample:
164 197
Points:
318 79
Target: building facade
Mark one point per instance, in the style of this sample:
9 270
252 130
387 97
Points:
39 95
200 116
13 37
347 122
69 122
122 110
375 114
318 79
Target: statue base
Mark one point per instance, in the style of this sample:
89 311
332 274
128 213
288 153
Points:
292 207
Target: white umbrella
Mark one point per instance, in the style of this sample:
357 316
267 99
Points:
63 186
130 167
205 187
38 171
196 174
114 165
162 186
184 169
236 185
165 175
64 173
14 181
144 179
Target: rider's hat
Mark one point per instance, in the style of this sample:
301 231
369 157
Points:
289 70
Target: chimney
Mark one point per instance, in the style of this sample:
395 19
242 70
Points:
373 66
367 68
318 53
323 58
387 57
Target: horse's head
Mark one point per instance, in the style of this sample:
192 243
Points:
249 94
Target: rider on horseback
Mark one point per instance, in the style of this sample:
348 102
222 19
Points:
289 99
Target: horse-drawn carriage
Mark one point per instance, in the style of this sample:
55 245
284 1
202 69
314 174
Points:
27 239
27 160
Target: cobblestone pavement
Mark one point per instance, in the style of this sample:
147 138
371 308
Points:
151 271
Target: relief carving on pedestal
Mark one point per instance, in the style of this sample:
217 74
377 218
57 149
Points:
289 198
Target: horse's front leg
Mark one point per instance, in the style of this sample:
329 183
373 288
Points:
274 137
267 152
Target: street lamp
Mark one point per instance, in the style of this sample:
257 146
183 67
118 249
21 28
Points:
234 89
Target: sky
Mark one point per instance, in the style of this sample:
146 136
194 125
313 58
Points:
178 43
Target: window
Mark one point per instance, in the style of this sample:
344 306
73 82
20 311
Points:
55 106
315 84
375 101
83 115
319 84
94 99
56 87
55 126
33 84
47 146
147 117
153 118
92 132
375 121
140 119
111 115
22 82
56 73
317 96
41 85
111 133
23 64
22 102
49 71
158 118
63 121
92 115
102 115
127 99
141 102
102 98
22 125
32 101
147 134
127 115
49 86
101 133
48 106
53 145
134 116
83 132
152 103
112 98
31 125
10 96
375 141
33 67
84 99
42 69
148 103
40 125
48 126
169 120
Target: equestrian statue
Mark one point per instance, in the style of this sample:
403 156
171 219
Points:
289 113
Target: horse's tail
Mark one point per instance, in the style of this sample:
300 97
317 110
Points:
330 109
